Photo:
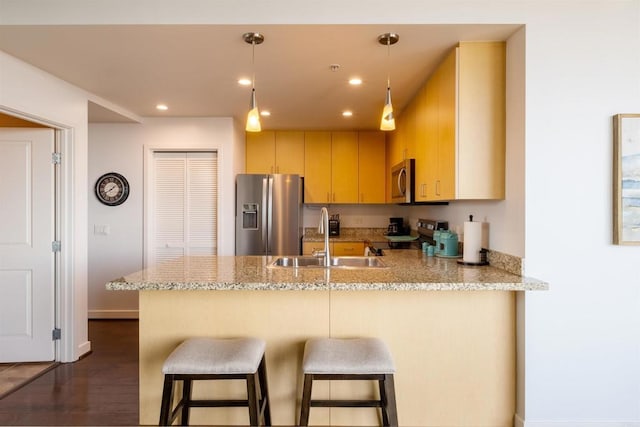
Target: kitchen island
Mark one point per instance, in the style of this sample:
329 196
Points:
451 330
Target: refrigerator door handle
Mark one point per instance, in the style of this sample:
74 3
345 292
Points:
265 219
269 214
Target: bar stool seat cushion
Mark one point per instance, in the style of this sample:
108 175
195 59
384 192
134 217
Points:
215 356
347 356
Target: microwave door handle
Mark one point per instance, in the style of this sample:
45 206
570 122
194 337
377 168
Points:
402 177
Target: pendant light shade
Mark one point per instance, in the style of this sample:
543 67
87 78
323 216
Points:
387 122
253 117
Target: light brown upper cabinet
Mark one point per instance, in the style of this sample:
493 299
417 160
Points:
459 118
275 152
345 167
317 167
402 142
371 167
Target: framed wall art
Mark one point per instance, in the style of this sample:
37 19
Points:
626 179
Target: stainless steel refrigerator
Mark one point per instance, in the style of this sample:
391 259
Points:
268 214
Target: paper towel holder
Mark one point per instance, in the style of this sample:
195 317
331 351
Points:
483 259
483 254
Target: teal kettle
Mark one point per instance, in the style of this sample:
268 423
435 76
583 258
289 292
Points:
448 243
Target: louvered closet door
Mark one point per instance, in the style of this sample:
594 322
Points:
185 195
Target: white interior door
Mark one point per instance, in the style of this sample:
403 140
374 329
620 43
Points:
184 205
27 226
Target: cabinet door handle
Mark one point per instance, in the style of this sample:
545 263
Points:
437 187
423 190
334 197
328 197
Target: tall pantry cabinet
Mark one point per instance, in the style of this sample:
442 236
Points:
459 117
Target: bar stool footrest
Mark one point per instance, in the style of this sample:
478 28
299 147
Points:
346 403
217 403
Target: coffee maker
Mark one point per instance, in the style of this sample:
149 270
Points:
334 225
396 227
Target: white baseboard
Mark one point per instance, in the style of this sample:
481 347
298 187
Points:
113 314
519 422
83 349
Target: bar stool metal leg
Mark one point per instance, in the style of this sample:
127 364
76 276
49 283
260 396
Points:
167 400
384 402
252 396
265 407
390 404
186 402
306 400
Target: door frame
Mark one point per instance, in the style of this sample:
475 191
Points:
64 295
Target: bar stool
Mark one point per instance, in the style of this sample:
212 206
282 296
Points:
216 359
349 359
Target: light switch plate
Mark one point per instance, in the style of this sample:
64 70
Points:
101 230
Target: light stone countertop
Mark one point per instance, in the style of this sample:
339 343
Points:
406 270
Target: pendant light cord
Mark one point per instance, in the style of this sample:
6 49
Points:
253 64
388 62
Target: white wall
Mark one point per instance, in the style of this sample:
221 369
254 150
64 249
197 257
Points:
582 337
121 148
582 66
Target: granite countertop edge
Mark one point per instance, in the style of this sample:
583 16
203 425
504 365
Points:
407 270
387 287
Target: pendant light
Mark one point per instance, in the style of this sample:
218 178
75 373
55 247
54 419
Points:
253 117
387 122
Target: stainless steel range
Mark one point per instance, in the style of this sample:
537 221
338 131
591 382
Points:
426 227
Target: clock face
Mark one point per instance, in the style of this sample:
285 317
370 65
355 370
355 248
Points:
112 189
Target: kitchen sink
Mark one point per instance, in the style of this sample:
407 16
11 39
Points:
356 262
298 261
336 262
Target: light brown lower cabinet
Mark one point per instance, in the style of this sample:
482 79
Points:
335 248
348 248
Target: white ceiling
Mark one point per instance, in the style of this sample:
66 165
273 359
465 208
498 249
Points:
194 68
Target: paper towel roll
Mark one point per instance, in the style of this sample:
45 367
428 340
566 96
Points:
472 242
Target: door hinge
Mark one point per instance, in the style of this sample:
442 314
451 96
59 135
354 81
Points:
56 246
56 334
56 158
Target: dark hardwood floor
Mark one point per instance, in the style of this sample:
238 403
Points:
100 389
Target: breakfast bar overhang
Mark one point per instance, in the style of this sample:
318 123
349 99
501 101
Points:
451 330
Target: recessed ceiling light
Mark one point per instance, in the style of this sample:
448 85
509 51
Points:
162 107
265 113
244 81
356 81
347 113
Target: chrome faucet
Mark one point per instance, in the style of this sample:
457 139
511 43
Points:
323 228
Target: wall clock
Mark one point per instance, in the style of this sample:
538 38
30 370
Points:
112 189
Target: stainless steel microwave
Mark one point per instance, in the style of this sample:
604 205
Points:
403 182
